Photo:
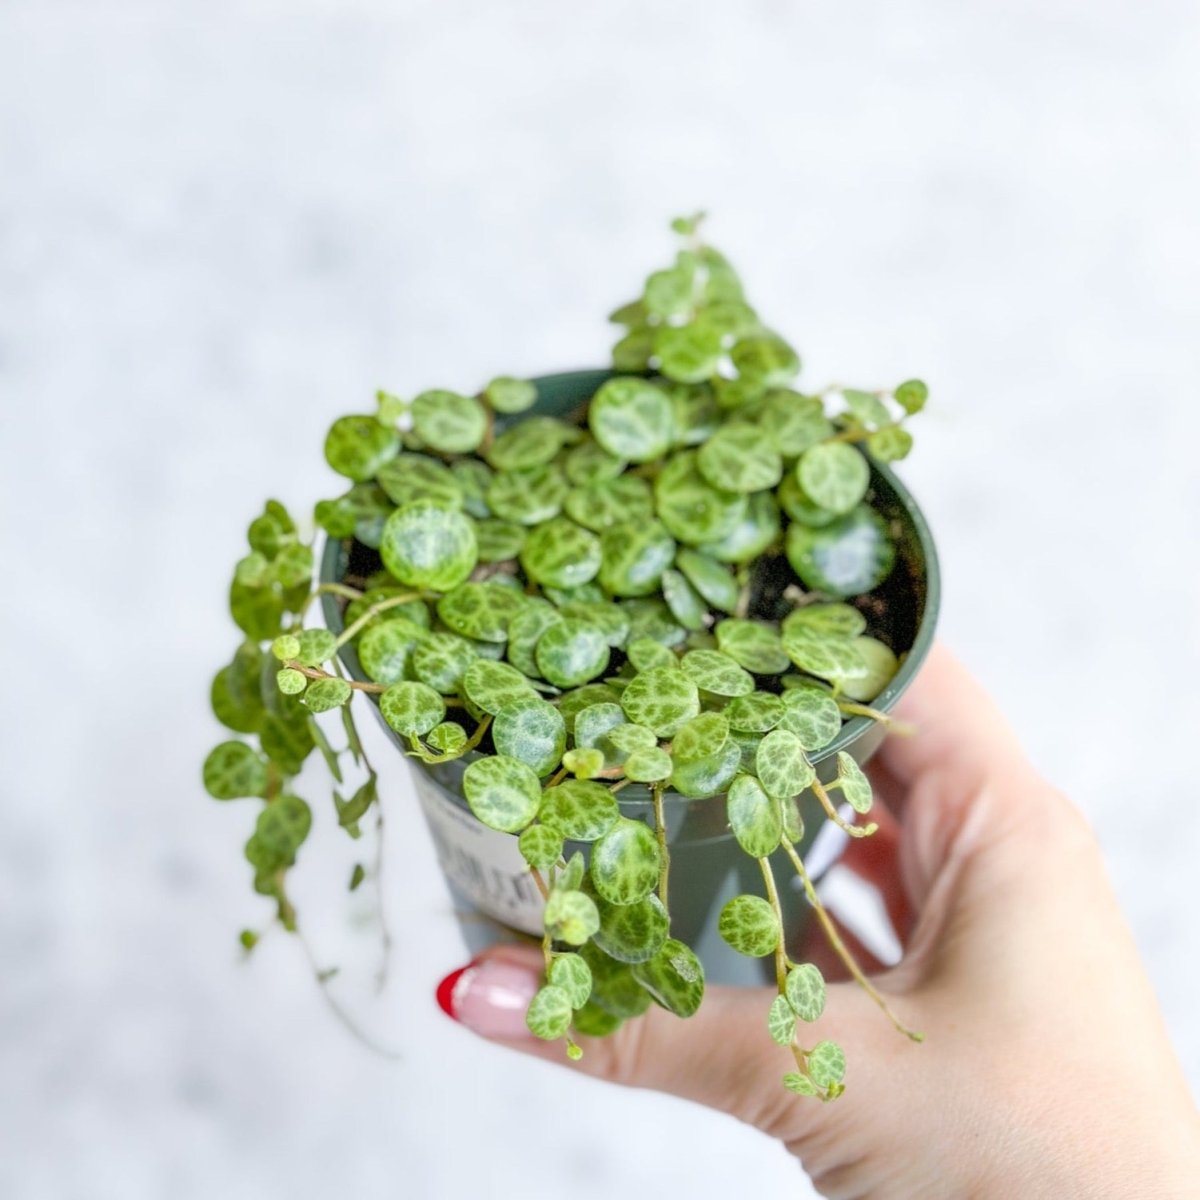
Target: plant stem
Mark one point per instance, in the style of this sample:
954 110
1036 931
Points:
903 728
780 949
660 832
380 606
317 673
832 813
839 947
327 589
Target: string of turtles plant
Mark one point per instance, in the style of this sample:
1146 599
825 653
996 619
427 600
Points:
657 594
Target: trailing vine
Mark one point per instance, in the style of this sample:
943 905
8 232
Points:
668 593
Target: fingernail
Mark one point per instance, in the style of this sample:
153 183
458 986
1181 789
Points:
489 997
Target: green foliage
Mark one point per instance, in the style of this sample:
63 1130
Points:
669 589
750 926
502 792
805 991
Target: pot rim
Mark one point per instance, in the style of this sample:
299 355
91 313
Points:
334 555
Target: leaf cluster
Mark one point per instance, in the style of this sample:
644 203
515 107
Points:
665 593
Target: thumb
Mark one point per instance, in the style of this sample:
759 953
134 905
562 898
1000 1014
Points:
722 1057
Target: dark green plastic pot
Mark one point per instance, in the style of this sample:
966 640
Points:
484 869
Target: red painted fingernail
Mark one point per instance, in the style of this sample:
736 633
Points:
445 990
489 996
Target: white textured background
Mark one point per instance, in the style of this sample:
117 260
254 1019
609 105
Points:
223 224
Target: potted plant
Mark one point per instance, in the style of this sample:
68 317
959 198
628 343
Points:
638 628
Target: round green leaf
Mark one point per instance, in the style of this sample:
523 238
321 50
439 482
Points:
579 809
498 541
411 708
604 616
286 646
291 682
634 557
911 395
549 1013
491 686
358 446
685 605
481 611
632 419
571 652
651 618
625 862
561 554
716 673
828 656
805 991
669 293
753 534
448 738
528 496
856 787
754 817
323 695
448 422
840 619
524 632
440 660
688 353
508 395
794 422
890 444
540 846
781 1022
411 477
532 442
502 792
473 478
765 359
881 665
781 765
531 731
573 975
692 508
833 475
570 916
827 1064
571 703
385 650
429 546
709 776
589 463
280 831
615 990
714 582
799 507
674 977
593 722
645 654
651 765
701 737
584 763
800 1084
758 712
749 925
631 933
662 699
812 716
233 770
740 458
752 645
599 505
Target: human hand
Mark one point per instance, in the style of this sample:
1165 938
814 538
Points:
1046 1069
